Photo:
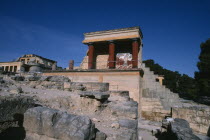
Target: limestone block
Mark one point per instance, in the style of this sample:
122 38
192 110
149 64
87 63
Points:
96 86
130 124
12 109
197 117
102 61
66 85
181 130
125 110
59 125
97 95
57 79
84 64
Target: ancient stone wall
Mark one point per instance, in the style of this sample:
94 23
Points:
118 80
198 117
84 64
101 61
152 109
96 86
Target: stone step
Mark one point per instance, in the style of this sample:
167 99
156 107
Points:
148 94
119 93
146 69
150 100
157 91
147 76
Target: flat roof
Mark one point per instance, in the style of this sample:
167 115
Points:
115 34
34 55
94 70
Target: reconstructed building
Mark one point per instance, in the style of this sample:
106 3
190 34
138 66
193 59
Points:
113 49
29 63
114 57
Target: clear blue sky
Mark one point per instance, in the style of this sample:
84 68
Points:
172 29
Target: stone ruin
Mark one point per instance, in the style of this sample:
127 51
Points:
81 104
55 108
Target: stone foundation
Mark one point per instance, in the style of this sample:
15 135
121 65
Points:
198 117
152 109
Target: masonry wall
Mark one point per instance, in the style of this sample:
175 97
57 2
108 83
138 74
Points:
123 80
84 64
152 109
198 117
102 61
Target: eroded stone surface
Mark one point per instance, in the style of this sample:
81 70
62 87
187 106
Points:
181 130
58 125
95 105
12 109
97 95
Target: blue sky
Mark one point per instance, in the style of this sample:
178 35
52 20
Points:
172 29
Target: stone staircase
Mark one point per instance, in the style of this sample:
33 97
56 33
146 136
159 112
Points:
156 97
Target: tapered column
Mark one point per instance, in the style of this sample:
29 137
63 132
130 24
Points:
111 55
90 56
71 64
135 50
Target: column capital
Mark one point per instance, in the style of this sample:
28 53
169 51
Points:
111 41
90 44
135 39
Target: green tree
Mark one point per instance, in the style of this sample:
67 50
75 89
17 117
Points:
203 75
182 84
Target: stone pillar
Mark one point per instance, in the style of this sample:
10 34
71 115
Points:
135 50
90 56
111 55
54 66
71 64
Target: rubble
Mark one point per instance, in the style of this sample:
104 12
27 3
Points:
113 113
108 113
179 129
12 109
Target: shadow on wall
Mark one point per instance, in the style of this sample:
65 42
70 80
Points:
15 133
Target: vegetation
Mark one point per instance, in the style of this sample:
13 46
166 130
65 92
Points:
176 82
203 75
187 87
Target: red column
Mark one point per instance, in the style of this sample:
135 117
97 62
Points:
135 50
90 56
71 64
111 55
